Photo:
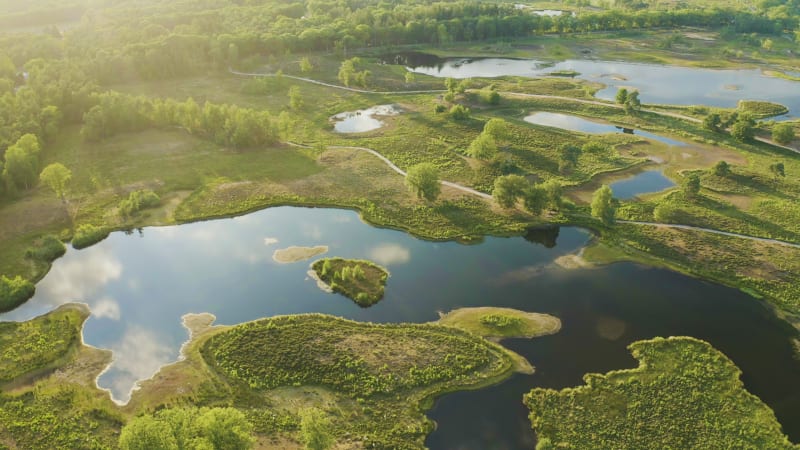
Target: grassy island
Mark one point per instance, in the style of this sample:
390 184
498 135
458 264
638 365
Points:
360 280
498 323
373 381
684 394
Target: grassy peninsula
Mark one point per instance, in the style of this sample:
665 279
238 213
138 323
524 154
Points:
498 323
684 394
359 280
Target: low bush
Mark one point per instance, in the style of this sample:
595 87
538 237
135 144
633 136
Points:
87 235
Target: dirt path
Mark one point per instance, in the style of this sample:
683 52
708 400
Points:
542 96
335 86
712 231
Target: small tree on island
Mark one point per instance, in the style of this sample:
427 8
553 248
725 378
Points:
423 180
603 205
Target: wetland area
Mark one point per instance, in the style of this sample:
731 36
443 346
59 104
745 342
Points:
473 225
139 285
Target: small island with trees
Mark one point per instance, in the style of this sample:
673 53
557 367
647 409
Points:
359 280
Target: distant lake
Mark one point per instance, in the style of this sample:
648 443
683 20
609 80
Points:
657 84
138 285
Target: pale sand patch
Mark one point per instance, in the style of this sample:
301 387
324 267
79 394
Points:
270 240
320 284
295 254
197 323
572 262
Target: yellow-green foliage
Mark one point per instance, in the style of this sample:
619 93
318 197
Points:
14 292
138 200
362 281
357 359
760 109
59 416
373 381
684 394
29 346
87 235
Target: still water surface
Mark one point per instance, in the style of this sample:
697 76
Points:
575 123
657 84
139 285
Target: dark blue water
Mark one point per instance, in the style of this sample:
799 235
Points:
139 286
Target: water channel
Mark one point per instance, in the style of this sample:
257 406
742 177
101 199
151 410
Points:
139 285
657 84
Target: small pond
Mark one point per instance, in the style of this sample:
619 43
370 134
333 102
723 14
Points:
575 123
645 182
657 84
138 286
363 119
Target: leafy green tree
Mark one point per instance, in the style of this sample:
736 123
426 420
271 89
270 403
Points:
603 204
483 147
56 177
664 212
744 128
508 188
315 430
347 71
721 169
225 429
632 102
21 163
777 169
147 433
554 191
622 96
410 77
535 199
712 122
496 128
295 99
783 133
568 158
305 65
189 428
451 84
691 185
423 180
95 125
490 96
459 112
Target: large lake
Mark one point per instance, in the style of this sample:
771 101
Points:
140 284
657 84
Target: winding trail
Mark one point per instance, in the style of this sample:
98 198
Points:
335 86
394 167
711 231
486 196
